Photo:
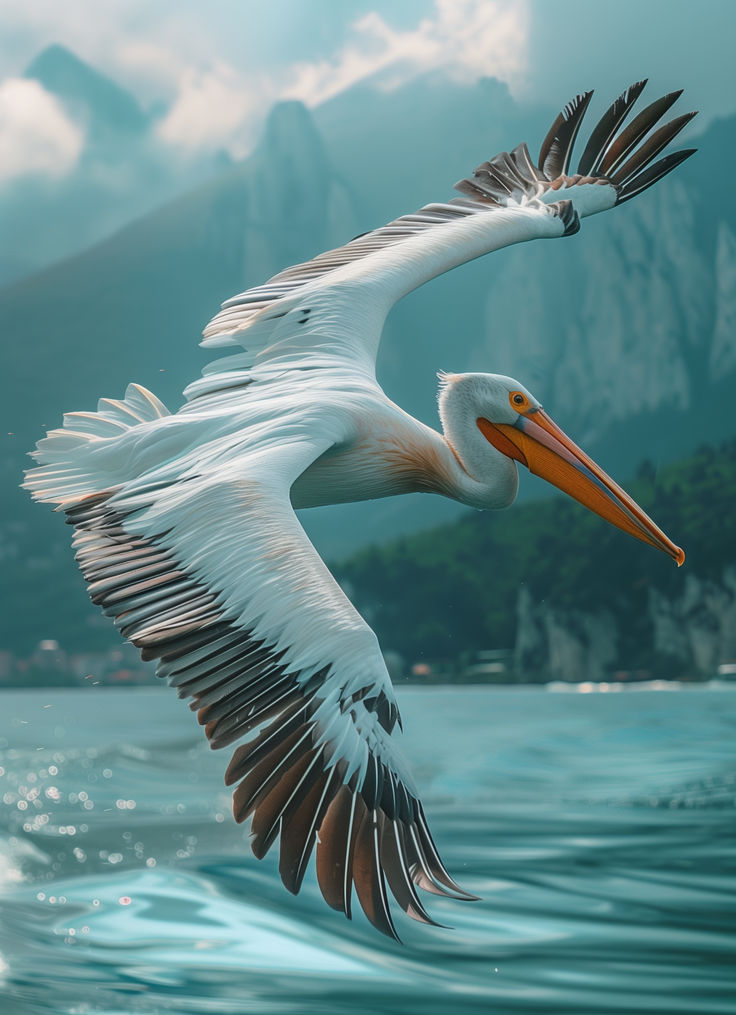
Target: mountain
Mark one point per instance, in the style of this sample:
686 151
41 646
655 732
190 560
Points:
624 331
123 171
404 148
144 294
90 96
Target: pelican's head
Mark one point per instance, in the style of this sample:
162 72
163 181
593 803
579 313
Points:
493 421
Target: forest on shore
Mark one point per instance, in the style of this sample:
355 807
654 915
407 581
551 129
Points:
462 588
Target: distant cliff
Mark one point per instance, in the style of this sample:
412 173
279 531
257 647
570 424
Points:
687 635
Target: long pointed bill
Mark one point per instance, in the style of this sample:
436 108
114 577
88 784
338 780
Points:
537 442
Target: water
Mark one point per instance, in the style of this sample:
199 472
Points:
598 829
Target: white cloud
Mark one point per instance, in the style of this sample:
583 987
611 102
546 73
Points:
465 38
150 67
220 73
170 51
38 136
210 108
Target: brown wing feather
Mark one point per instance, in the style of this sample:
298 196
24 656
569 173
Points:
393 861
299 829
270 807
334 853
265 775
370 886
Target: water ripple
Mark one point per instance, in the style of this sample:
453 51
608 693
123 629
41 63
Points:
597 829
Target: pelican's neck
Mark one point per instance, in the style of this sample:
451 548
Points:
483 477
432 464
460 485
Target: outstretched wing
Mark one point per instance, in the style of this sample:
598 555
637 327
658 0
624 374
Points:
208 570
336 304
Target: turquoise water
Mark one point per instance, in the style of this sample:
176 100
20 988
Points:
599 830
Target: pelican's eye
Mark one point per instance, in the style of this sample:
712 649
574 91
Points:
519 401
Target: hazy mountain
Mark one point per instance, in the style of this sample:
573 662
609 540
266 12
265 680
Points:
123 171
625 331
400 149
95 100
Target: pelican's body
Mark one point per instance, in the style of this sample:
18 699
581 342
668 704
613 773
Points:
186 529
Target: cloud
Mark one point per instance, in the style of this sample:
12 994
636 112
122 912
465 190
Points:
219 71
38 136
253 54
150 67
466 39
209 110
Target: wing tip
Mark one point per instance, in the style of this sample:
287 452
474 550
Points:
623 154
651 175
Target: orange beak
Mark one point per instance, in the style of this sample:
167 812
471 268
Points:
537 442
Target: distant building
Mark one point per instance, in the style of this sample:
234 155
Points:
493 665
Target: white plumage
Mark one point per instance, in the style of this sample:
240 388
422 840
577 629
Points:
186 533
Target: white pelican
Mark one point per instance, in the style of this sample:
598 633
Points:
185 524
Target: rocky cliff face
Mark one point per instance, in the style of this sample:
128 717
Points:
636 317
722 356
697 628
687 635
563 644
296 205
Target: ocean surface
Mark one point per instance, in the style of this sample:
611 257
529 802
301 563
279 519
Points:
599 829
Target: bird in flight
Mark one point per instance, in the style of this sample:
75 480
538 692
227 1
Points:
185 527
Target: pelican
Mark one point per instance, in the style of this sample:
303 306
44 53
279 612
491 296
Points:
185 524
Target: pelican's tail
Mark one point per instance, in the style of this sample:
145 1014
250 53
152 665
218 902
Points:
73 462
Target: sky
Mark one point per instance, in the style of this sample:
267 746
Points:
217 67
